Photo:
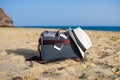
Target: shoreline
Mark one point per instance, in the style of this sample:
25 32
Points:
91 28
95 28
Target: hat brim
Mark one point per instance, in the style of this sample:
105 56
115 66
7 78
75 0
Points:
73 38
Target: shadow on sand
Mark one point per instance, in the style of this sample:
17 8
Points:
29 55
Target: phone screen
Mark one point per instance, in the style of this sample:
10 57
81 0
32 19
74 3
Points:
59 46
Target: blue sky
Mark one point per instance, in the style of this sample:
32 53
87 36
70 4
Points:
63 12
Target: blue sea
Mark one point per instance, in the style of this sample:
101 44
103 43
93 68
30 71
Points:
98 28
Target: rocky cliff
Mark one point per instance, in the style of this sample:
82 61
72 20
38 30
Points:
5 21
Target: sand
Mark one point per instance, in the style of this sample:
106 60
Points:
102 60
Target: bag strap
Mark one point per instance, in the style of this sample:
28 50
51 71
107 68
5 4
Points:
58 32
52 42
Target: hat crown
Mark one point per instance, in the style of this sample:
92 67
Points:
83 37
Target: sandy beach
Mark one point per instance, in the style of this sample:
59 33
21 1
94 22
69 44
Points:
102 60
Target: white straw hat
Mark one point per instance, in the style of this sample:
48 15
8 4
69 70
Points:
81 39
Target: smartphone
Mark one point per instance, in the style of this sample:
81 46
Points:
58 46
